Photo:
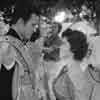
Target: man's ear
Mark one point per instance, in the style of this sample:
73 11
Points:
20 21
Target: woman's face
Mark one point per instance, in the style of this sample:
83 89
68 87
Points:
65 49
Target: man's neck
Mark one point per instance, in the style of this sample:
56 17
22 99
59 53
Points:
20 34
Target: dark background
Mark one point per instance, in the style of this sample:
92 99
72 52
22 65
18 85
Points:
40 5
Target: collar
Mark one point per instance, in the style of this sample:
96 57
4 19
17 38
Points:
13 33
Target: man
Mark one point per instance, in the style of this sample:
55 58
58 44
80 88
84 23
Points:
22 28
24 21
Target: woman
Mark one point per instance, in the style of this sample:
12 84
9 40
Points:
73 52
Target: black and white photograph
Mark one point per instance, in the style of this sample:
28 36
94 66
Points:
49 49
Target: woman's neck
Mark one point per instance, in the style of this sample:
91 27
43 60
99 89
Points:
72 63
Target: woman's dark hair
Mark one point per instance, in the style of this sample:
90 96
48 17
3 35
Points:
23 9
78 43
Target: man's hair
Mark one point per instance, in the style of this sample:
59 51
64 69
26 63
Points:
78 43
23 9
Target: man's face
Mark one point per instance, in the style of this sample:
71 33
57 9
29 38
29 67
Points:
30 25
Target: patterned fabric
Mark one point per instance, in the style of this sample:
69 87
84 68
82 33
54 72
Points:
64 88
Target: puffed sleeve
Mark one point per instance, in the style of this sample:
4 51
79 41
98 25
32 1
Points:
7 55
95 55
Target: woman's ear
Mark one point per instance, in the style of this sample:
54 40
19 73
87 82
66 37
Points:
65 51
